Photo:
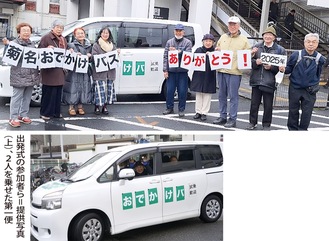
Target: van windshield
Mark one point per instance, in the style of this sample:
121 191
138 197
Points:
92 165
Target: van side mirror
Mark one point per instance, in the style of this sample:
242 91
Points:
127 173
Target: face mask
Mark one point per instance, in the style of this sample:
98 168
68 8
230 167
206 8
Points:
178 37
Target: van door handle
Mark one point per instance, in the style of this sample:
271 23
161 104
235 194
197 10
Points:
154 181
168 179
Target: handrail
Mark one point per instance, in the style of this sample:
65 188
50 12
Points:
306 20
244 24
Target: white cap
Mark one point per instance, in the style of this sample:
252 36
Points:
233 19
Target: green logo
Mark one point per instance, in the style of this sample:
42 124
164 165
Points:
140 199
180 193
140 67
153 196
127 201
127 68
169 194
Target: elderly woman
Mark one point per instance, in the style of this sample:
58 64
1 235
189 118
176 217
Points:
77 87
52 78
103 81
22 80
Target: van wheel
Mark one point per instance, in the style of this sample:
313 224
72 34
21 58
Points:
211 209
88 227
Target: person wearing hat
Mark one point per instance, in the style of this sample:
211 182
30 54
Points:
176 78
204 82
52 78
262 79
229 79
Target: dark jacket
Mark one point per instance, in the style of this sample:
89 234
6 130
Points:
51 76
77 86
289 22
260 76
23 77
302 76
183 44
204 81
105 75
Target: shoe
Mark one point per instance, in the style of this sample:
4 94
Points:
45 117
97 111
81 111
25 120
72 112
14 123
168 111
230 123
220 121
266 128
105 111
203 117
251 127
181 114
197 116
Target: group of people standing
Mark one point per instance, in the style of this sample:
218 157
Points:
304 67
58 84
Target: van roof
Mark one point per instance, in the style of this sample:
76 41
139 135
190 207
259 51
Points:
128 19
164 144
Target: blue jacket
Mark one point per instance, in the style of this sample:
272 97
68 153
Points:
301 75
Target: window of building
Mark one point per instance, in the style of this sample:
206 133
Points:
31 6
54 6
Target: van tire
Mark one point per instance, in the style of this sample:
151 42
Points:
211 209
89 223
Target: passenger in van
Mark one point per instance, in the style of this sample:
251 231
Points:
52 78
176 78
141 170
77 86
173 158
103 81
204 82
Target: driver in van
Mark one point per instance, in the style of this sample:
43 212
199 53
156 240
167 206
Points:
141 170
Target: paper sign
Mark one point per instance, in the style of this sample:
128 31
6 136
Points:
59 55
82 64
187 60
13 54
214 59
226 59
173 59
112 59
244 59
273 59
69 60
46 58
101 63
30 58
199 62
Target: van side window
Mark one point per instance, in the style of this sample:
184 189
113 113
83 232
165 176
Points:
211 156
142 37
93 29
107 175
177 160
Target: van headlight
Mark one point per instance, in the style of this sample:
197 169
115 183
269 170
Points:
52 201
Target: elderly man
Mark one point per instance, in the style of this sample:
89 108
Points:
229 79
176 77
262 79
304 67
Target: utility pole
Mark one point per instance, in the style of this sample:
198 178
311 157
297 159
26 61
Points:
264 16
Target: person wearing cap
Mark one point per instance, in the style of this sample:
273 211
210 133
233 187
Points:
204 82
176 78
262 79
229 79
52 78
305 67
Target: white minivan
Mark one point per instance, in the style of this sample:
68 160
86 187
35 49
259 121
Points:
142 43
131 187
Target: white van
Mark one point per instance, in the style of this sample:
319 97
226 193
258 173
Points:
142 43
107 194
